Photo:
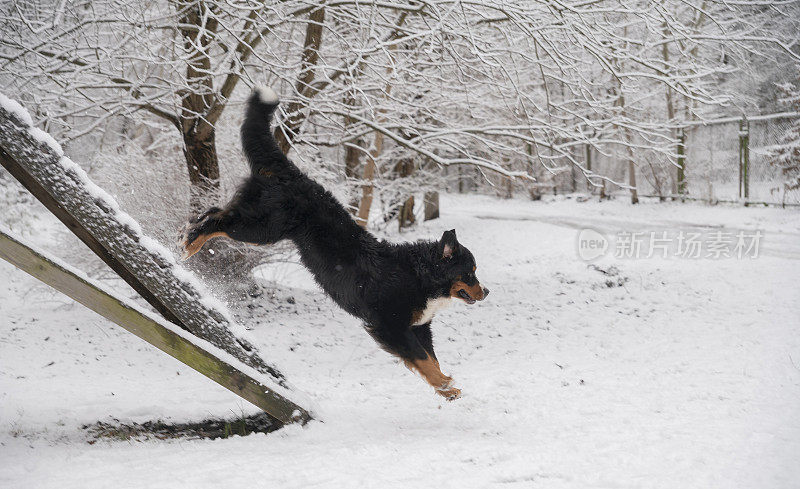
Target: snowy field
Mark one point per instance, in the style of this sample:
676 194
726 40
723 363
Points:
673 373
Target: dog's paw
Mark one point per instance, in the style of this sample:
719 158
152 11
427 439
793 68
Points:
189 243
449 393
191 231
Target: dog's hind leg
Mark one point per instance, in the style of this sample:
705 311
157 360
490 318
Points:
209 224
415 347
432 373
233 222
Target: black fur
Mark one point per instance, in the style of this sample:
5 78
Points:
382 283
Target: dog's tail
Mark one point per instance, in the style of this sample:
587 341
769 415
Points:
260 147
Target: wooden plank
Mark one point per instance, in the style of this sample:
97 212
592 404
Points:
158 334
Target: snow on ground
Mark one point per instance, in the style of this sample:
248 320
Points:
685 375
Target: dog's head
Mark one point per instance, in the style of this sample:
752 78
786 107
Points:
458 266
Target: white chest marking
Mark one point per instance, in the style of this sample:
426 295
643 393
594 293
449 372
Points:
431 308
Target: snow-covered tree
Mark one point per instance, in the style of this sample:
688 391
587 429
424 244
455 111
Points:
787 155
505 90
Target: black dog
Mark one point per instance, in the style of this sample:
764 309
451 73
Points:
395 288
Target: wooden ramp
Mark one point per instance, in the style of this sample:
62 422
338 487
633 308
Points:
38 162
229 373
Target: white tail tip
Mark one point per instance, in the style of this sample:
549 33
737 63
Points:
267 95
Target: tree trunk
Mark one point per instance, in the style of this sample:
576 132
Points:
632 177
352 154
573 179
669 103
199 145
628 150
534 191
367 190
626 133
631 161
352 160
203 167
405 218
362 216
431 205
508 192
305 80
352 164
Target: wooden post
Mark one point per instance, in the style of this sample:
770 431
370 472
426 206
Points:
151 329
681 161
589 157
588 150
431 205
744 159
573 176
405 218
534 191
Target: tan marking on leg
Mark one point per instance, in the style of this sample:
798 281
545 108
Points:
428 369
196 245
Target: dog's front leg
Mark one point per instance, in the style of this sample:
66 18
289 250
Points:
427 366
414 346
434 376
428 369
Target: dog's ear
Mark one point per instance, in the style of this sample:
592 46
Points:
448 244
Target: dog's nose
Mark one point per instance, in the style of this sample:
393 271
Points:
485 292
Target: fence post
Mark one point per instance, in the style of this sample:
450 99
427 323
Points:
744 159
681 161
589 157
